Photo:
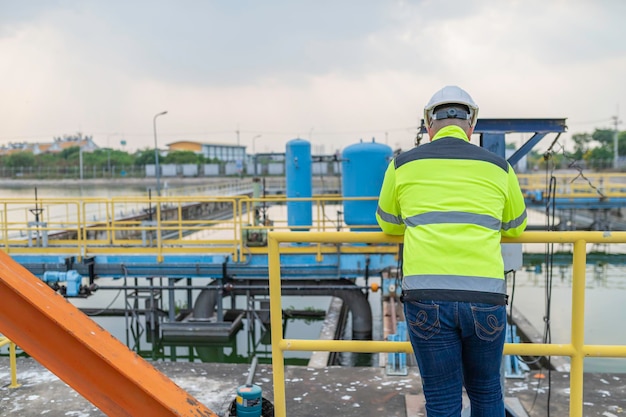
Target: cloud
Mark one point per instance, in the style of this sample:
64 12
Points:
334 71
14 15
216 43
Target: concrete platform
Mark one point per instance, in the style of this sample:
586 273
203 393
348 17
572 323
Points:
331 391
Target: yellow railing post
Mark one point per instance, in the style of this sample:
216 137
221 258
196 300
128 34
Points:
5 225
578 328
276 321
238 223
158 230
81 233
179 218
237 229
13 361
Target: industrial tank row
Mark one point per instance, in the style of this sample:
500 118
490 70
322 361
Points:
363 169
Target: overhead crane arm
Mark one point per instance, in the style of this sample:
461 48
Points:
84 355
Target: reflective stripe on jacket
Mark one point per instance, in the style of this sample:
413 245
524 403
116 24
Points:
452 201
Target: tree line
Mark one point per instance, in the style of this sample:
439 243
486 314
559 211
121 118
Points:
70 157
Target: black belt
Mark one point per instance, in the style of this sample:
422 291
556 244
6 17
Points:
462 296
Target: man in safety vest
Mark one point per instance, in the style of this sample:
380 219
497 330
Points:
453 201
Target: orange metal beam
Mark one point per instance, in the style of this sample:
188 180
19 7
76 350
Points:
84 355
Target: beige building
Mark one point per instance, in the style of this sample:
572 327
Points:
221 152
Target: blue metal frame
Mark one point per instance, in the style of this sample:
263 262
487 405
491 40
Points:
520 125
493 132
525 148
293 266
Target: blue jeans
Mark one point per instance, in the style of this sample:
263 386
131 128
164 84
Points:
458 344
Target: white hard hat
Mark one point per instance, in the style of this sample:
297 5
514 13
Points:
451 94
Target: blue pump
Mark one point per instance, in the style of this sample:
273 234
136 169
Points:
72 279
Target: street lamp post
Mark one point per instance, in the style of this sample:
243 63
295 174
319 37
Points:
156 154
109 153
254 152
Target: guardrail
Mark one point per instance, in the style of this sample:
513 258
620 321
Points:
93 226
13 362
577 186
161 225
577 350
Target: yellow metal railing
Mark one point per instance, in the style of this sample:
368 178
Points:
323 208
577 350
575 185
13 363
91 226
159 226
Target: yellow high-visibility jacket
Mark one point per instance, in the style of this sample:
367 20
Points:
452 201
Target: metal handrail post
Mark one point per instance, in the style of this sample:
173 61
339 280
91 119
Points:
13 361
276 313
578 328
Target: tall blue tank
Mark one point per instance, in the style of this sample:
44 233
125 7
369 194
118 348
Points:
363 170
299 179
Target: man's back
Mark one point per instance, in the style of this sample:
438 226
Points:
453 198
452 195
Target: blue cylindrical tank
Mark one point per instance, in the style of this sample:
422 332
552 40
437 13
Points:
363 166
299 183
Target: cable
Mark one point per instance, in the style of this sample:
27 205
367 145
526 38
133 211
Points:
97 313
511 321
337 223
547 336
550 207
550 194
549 261
399 275
573 163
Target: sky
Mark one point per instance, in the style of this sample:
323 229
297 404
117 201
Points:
333 72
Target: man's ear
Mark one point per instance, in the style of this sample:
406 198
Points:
431 133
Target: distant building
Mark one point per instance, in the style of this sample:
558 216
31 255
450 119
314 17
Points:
221 152
86 143
12 148
58 144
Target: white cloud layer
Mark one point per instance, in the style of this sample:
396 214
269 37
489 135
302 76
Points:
332 72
